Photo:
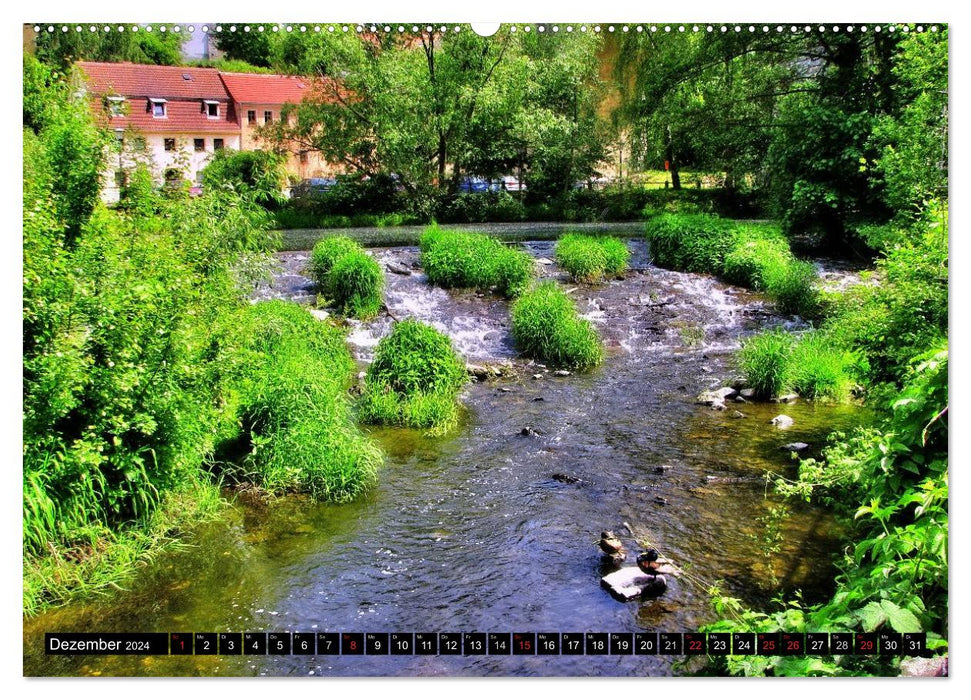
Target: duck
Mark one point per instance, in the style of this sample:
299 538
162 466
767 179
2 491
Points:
647 561
610 543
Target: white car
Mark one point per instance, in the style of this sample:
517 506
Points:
511 184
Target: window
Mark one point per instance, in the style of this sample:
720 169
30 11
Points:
138 143
251 116
169 144
217 144
116 105
120 179
173 176
199 144
303 157
267 117
212 109
158 108
119 139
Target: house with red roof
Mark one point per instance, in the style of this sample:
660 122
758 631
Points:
174 118
169 117
258 100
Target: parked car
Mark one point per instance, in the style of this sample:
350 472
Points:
511 183
311 186
478 184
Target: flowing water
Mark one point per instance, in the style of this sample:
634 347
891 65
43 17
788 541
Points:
488 529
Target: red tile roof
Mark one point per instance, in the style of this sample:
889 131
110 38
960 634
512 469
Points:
132 79
184 105
261 88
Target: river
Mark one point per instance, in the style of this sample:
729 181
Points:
487 529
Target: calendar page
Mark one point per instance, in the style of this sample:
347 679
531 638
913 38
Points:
611 349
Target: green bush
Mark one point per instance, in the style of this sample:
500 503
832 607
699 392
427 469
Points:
347 276
471 260
907 312
753 262
821 369
546 327
414 380
691 242
765 360
294 428
355 284
325 253
589 259
793 287
813 364
259 174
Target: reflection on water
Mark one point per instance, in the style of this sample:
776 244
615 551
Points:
471 532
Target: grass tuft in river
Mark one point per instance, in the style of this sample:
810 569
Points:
295 430
414 380
590 259
348 276
472 260
546 327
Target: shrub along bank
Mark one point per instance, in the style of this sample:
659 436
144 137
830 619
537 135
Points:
748 254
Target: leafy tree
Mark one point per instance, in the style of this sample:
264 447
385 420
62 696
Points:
61 49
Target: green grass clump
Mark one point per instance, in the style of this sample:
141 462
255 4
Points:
326 252
753 262
347 276
765 360
691 242
295 430
546 327
813 364
414 380
793 287
822 369
590 259
355 284
472 260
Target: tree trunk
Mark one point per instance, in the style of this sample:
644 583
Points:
442 155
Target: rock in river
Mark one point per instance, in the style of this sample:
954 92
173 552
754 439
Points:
630 582
718 396
795 447
782 421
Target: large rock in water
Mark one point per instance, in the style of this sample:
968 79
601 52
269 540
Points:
630 582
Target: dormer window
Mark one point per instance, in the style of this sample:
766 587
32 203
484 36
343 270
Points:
158 107
116 106
212 109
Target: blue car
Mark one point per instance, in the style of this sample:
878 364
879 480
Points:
478 184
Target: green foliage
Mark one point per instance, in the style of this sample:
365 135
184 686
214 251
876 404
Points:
471 260
258 174
691 242
590 259
348 276
294 430
414 380
61 49
913 144
765 360
793 288
546 327
907 311
326 252
356 284
752 263
812 364
894 483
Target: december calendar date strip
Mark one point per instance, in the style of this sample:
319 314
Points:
484 643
